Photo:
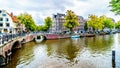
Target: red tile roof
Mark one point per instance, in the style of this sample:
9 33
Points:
14 18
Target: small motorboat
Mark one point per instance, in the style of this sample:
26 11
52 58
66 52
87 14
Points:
39 38
89 35
75 36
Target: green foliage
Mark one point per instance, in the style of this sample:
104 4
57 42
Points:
46 26
115 4
39 28
71 20
42 28
98 23
86 26
117 25
109 23
95 22
28 21
48 21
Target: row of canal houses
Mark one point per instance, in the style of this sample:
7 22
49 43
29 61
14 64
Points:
58 20
9 24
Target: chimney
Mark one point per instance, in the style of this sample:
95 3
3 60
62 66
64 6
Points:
11 13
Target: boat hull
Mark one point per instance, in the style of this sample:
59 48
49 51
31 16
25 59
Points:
75 36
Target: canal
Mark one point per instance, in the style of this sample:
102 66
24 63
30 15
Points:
87 52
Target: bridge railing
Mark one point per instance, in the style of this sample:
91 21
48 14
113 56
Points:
5 38
9 37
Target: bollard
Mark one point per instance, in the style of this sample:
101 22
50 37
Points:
113 58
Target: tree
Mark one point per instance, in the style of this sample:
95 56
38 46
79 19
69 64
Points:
95 22
39 28
115 4
46 26
108 22
86 26
42 28
27 20
117 25
48 23
71 20
99 23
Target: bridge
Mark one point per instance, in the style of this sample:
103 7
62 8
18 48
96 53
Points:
8 43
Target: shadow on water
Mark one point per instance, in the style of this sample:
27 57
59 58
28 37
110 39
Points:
21 57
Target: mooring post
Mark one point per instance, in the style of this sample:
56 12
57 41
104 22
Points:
113 58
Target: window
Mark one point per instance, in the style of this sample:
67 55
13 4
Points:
5 30
3 14
0 30
7 19
1 19
7 24
1 24
0 11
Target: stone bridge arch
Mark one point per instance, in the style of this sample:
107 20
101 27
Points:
5 56
16 45
2 60
8 48
45 37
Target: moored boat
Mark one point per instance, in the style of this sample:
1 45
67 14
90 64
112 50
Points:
89 35
75 36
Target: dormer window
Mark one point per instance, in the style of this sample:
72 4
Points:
3 14
1 19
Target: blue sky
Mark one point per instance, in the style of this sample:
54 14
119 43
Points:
39 9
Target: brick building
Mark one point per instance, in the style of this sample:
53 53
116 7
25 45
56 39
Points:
58 20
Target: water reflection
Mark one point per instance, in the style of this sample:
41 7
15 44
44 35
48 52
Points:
22 57
63 48
89 52
70 48
117 49
99 44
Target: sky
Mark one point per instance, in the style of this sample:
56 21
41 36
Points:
40 9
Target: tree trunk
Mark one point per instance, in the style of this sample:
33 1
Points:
71 31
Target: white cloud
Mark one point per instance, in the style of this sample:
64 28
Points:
43 8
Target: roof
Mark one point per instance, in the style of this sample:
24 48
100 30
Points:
14 18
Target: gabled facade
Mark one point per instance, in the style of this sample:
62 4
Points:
82 23
58 20
8 23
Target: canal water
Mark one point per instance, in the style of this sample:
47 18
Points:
86 52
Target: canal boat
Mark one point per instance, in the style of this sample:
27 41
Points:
89 35
39 38
75 36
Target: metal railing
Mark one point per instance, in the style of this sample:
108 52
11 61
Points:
5 38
